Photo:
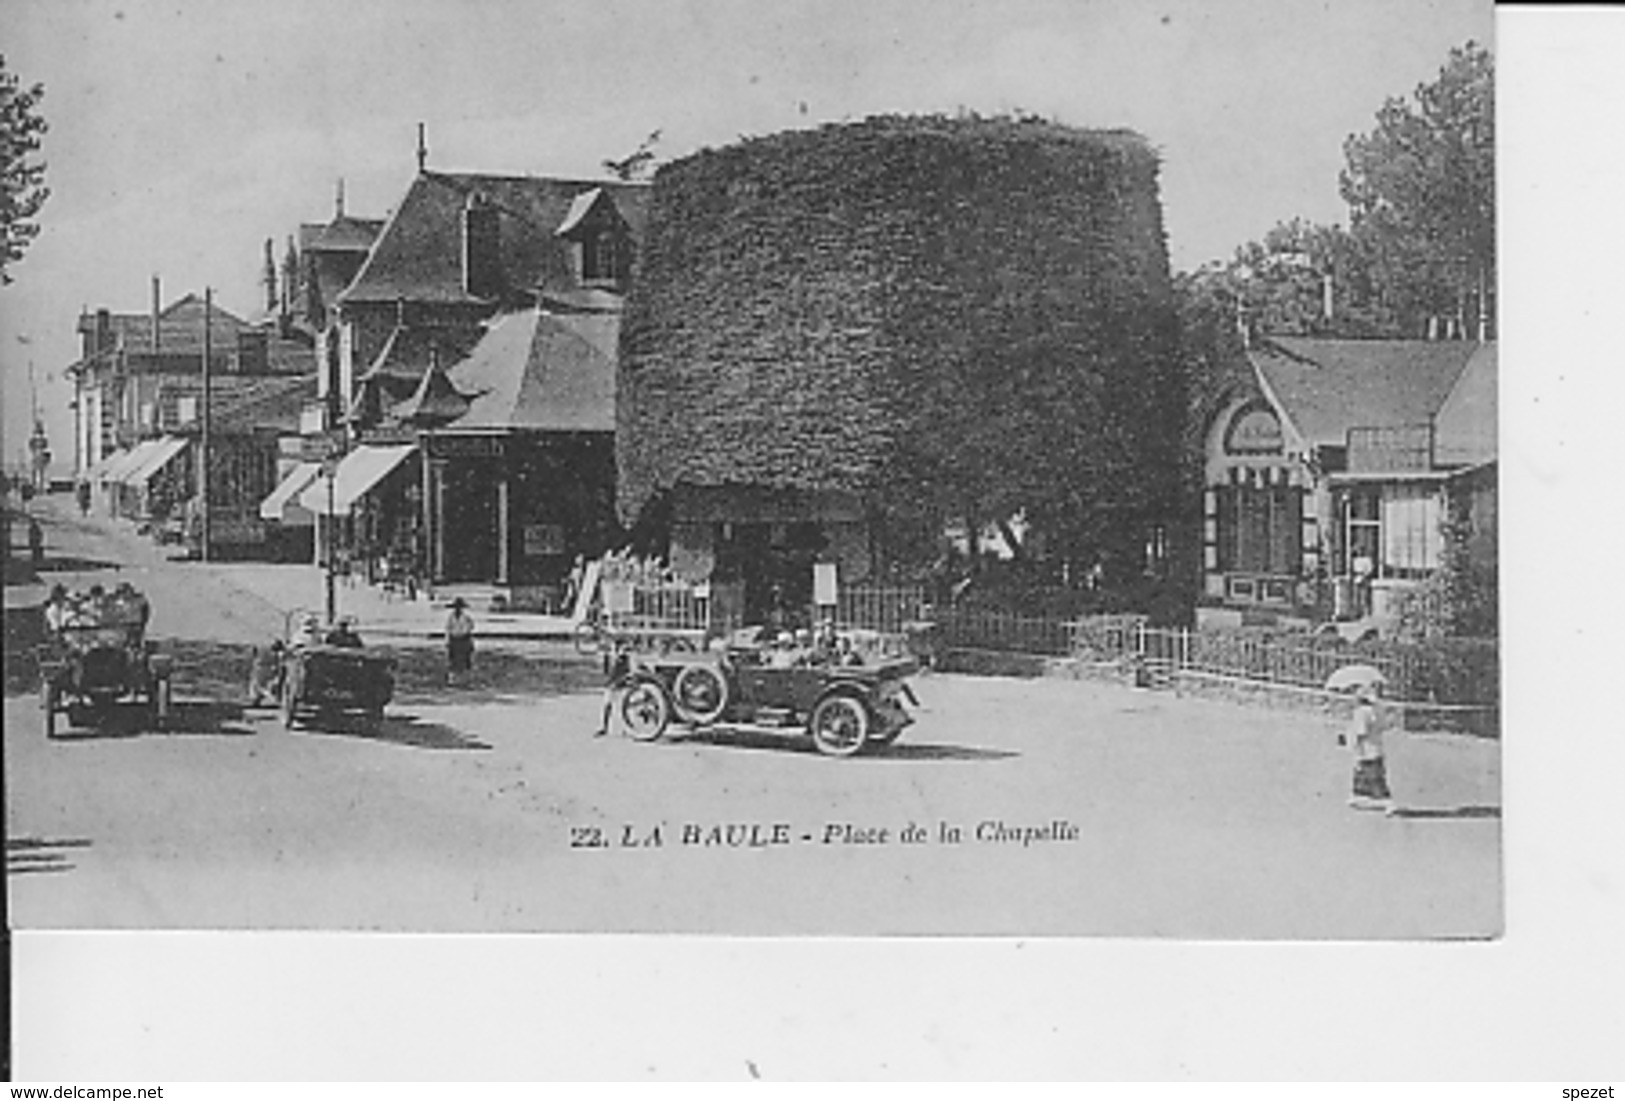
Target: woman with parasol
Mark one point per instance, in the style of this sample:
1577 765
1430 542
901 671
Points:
1367 725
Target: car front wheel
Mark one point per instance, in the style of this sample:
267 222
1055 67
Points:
644 709
839 725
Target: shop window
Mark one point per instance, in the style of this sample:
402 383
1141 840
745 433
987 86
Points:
1391 532
1260 529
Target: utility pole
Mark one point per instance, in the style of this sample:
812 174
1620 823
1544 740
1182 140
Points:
203 456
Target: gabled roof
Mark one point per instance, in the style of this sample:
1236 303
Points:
434 402
406 353
266 405
180 328
1326 387
418 256
1465 432
343 234
542 370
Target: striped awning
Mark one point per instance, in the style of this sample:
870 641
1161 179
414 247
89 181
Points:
282 505
163 452
361 470
113 468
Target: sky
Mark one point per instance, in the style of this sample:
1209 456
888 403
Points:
185 133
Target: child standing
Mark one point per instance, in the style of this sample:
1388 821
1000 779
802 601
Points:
1365 737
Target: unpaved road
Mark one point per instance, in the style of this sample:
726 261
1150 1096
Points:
495 809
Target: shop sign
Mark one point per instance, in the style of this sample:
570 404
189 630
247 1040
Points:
466 447
823 583
543 539
1254 430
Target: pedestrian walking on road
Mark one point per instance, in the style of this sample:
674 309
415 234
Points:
617 668
82 493
459 640
36 543
1367 726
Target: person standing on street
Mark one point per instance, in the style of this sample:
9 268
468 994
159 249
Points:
1367 726
36 543
459 640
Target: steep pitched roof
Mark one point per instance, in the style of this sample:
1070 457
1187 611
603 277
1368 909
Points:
269 405
180 328
343 234
545 370
1465 432
1326 387
418 256
408 349
435 401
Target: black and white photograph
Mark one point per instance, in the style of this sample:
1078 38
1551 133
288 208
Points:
791 470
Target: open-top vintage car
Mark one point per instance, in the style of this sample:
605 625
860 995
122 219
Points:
97 657
842 703
327 673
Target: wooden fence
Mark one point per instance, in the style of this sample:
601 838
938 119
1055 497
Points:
1450 672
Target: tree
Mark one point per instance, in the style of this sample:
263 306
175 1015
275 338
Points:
24 190
1300 279
1421 194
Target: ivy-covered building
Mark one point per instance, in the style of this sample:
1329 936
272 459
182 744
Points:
844 341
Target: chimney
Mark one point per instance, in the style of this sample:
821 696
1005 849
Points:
104 329
482 239
338 200
269 278
157 310
423 146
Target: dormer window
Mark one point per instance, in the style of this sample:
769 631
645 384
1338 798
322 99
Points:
600 246
605 257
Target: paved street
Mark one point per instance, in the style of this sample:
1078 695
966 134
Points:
1082 808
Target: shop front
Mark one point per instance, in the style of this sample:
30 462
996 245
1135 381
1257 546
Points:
767 541
1261 514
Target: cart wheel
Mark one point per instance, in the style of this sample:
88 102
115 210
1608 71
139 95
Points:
839 725
644 709
700 694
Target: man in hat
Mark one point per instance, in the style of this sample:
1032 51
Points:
459 639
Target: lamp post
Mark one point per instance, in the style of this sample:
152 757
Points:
330 470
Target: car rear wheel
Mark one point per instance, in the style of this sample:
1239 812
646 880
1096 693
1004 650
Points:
700 694
839 725
644 709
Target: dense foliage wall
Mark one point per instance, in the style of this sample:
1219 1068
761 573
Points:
951 316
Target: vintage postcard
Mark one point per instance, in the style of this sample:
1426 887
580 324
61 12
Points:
664 469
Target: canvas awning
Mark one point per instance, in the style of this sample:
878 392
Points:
358 473
281 506
106 463
163 452
127 461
